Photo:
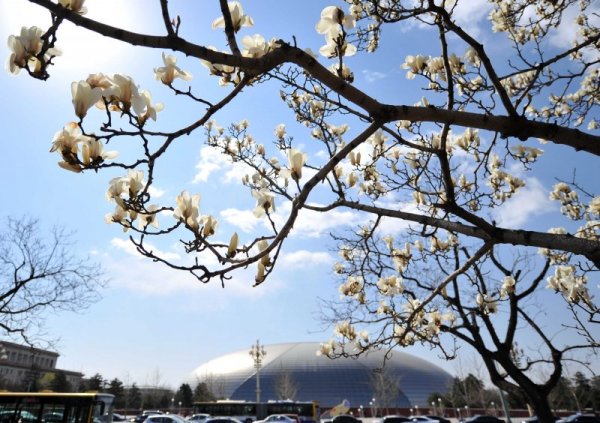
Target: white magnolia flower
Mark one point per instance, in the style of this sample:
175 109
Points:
84 97
135 182
326 349
265 202
508 286
415 64
118 216
296 160
74 5
187 209
149 219
487 304
209 226
93 152
336 45
238 18
143 107
594 206
66 143
255 46
344 72
331 18
233 244
170 71
116 188
124 91
280 131
25 47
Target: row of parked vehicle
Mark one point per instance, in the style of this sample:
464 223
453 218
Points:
155 416
574 418
480 418
345 418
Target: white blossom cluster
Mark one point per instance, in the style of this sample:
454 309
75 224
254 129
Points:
573 287
333 25
26 49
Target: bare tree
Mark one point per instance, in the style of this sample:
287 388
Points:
40 273
386 388
285 385
215 385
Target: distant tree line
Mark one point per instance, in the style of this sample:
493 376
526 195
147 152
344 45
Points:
577 393
126 397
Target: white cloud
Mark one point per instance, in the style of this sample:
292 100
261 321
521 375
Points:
156 192
309 224
127 247
563 35
530 201
210 161
373 76
303 258
312 224
243 219
138 274
469 14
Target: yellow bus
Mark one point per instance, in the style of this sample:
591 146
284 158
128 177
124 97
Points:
53 407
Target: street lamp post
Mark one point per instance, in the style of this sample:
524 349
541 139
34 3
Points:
172 404
433 407
441 410
257 352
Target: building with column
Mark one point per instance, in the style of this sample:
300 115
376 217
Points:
21 363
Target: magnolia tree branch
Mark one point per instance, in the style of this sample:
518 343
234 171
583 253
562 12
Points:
498 235
507 126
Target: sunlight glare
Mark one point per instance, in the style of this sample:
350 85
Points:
79 48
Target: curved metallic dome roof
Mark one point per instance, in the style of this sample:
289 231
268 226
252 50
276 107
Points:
320 378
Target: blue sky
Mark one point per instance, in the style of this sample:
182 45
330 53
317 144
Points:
152 319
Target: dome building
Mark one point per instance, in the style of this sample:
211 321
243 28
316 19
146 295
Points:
328 381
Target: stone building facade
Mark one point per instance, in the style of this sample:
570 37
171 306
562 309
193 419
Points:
20 364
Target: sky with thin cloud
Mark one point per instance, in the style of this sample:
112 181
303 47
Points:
155 319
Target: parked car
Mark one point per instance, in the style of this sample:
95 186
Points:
483 418
345 418
394 419
165 418
222 420
534 419
277 418
438 418
145 414
580 418
198 418
422 419
116 417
